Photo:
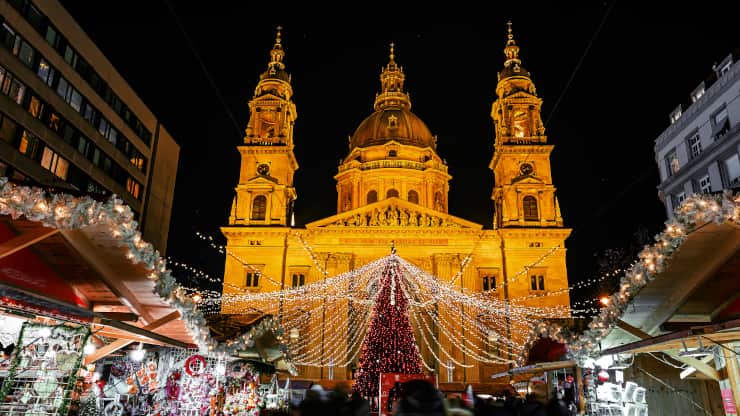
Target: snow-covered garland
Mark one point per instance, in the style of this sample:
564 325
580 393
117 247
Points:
67 212
695 211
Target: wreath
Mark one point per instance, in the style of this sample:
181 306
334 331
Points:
195 365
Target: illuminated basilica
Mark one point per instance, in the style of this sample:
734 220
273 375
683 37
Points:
392 186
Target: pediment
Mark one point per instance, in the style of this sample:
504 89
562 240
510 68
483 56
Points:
267 180
527 179
393 213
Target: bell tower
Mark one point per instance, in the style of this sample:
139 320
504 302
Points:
265 193
523 194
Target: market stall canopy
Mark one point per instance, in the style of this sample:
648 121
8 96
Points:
696 298
266 350
84 276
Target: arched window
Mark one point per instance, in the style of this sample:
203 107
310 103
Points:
529 204
391 193
259 207
372 196
413 196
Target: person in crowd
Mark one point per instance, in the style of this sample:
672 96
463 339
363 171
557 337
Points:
534 404
456 407
557 405
420 397
313 404
356 406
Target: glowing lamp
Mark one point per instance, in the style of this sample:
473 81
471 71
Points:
604 300
89 348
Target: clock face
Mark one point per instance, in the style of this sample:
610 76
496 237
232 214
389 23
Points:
526 169
263 169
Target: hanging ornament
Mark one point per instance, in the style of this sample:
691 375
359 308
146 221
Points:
603 376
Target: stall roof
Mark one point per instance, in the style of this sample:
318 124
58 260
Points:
697 295
84 275
536 368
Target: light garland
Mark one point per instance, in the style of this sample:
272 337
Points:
693 213
63 211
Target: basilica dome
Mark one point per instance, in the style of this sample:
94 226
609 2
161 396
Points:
389 123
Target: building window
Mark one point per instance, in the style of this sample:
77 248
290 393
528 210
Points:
28 145
35 107
252 279
259 207
133 187
697 93
45 72
675 115
537 282
488 282
392 193
392 153
705 185
413 196
8 128
732 168
695 145
529 204
299 279
54 163
671 162
680 197
372 196
720 123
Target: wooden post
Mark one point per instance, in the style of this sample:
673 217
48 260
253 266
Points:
581 388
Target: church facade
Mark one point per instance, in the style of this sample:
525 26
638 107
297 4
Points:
392 188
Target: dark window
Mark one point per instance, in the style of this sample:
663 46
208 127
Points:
252 279
259 207
529 205
392 153
413 197
299 280
392 193
8 129
489 282
537 282
372 196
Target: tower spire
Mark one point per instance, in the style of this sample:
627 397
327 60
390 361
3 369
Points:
391 82
511 50
277 54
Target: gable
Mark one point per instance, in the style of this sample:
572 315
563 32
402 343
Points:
394 213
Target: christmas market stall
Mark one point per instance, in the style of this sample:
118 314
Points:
669 339
90 311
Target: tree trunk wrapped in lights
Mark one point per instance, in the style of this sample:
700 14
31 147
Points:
389 345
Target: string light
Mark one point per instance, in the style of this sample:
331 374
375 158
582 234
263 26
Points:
692 214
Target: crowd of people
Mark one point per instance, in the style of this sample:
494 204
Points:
420 397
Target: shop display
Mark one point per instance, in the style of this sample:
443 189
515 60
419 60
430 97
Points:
43 370
613 398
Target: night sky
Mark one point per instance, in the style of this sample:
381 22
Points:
609 75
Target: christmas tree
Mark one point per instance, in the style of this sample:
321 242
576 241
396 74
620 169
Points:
389 345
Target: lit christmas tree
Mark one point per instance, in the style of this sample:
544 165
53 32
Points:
389 345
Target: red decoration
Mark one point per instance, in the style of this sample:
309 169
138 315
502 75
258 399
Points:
603 376
389 345
195 365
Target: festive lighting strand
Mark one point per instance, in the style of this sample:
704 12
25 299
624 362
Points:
695 212
458 340
468 259
63 211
